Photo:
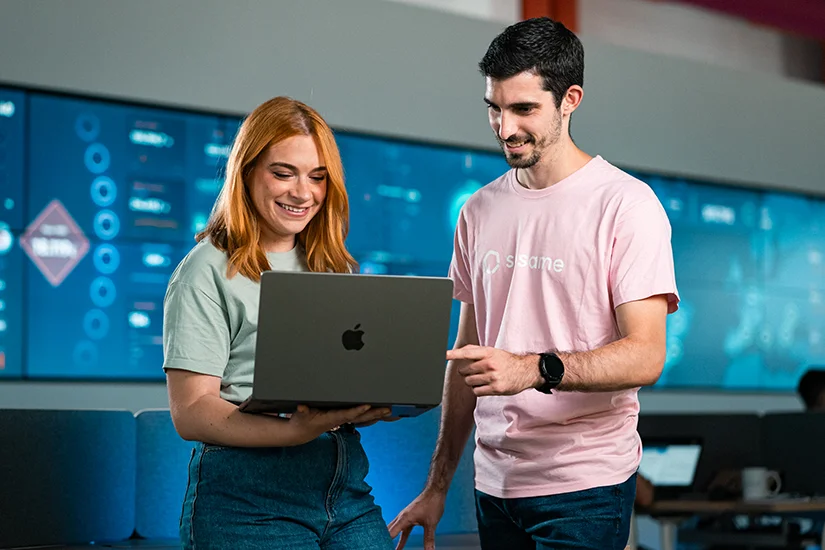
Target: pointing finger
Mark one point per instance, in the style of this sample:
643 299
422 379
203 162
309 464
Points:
472 353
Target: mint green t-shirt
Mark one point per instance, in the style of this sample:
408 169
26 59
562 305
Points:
210 322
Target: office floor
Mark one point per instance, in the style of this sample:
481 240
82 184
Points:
443 542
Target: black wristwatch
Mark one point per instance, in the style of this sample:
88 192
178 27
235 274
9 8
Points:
551 369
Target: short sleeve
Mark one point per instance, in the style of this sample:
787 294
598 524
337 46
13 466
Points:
641 264
460 271
195 331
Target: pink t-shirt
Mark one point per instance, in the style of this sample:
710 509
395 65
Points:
545 270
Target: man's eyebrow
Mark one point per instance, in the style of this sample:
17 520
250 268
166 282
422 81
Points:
520 105
525 105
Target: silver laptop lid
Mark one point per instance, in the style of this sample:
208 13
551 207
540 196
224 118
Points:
337 340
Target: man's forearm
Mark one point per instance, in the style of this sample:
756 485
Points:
456 424
619 365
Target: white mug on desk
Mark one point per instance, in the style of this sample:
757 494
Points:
760 483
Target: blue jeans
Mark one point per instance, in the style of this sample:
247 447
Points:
597 519
312 496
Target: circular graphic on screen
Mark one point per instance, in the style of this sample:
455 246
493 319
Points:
97 158
95 324
459 198
87 127
107 224
106 259
104 191
6 238
103 292
8 204
85 354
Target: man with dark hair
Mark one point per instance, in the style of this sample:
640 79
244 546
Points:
565 272
811 390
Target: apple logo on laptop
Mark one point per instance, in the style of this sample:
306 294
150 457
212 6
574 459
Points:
352 338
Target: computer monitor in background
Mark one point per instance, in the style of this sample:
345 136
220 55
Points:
670 465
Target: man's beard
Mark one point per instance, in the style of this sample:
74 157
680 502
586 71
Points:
539 146
520 160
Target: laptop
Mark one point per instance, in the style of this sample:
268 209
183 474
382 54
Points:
329 341
670 465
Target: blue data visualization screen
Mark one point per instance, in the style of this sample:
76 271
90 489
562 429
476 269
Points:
405 197
115 195
105 320
750 267
100 200
125 172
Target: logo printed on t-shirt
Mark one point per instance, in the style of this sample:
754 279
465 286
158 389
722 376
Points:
492 262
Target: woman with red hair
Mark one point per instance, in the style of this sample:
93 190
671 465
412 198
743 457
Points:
262 481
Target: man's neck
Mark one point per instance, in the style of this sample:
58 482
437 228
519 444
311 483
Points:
554 166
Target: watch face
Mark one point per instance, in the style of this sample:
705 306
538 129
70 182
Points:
553 368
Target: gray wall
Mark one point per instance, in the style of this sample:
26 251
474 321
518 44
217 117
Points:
402 71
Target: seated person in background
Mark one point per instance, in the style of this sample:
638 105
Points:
260 481
811 390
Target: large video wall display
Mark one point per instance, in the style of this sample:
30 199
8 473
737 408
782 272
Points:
750 267
110 201
100 200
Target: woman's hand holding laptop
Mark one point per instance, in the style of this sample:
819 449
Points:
310 423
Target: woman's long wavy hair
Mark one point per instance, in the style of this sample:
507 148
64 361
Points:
234 226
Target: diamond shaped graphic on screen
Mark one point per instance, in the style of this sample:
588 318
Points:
55 243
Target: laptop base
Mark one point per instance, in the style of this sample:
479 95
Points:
269 406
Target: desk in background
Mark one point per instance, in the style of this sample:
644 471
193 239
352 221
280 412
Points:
670 513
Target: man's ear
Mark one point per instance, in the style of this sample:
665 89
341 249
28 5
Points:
572 100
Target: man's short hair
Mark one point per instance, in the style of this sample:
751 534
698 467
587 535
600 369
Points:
811 387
